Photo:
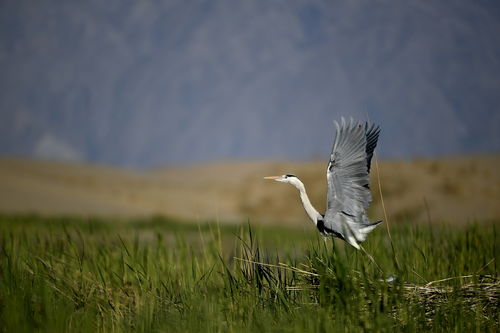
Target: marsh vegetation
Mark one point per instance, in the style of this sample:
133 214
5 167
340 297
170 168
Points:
159 275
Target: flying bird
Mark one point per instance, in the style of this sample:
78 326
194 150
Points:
348 181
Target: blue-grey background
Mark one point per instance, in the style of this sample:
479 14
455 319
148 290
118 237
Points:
144 83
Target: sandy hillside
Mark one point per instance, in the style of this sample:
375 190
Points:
453 190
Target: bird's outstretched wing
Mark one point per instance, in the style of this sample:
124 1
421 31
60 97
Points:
348 168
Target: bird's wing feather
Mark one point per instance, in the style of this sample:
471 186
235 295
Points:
347 172
372 133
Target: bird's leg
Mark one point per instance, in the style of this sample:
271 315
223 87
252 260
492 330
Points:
328 237
372 260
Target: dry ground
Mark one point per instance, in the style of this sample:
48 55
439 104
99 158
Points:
453 190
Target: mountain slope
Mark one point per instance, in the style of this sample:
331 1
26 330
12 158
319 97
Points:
137 83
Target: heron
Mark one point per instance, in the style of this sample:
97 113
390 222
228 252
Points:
348 184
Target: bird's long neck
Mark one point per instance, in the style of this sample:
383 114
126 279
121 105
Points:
310 210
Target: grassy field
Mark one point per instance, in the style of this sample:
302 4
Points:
158 275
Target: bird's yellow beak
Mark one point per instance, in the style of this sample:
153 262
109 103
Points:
272 177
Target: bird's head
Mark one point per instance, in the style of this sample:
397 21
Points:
288 178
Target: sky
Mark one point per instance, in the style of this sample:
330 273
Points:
148 83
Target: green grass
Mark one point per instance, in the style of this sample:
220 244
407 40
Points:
158 275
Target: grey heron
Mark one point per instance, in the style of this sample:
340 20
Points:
347 174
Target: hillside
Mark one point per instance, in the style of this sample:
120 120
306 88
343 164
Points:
453 190
137 83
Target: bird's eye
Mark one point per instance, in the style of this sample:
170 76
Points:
289 175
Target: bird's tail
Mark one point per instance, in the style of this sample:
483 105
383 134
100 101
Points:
358 231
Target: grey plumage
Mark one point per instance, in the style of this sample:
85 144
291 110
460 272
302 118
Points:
348 192
348 181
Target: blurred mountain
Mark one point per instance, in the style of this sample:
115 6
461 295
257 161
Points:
143 83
